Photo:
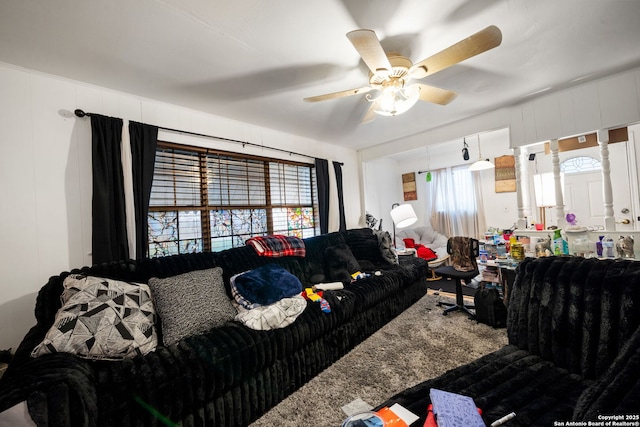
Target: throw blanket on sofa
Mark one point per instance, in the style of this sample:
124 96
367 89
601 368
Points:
267 284
277 246
277 315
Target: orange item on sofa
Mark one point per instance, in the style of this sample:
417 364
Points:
390 418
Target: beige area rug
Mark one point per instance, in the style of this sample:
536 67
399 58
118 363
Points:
419 344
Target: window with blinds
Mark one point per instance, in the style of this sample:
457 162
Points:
207 200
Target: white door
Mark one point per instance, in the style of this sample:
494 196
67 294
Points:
583 194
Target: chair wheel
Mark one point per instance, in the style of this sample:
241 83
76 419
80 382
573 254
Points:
444 313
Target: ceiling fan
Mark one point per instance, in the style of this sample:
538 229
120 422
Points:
390 72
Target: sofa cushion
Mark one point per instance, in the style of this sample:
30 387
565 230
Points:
341 263
102 319
191 303
364 245
507 380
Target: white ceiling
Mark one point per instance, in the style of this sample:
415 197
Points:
255 60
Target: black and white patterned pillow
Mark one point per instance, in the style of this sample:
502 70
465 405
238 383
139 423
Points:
102 319
385 243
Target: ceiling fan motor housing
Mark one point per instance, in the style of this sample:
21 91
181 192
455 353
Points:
400 69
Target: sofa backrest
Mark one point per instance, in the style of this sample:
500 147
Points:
573 311
232 261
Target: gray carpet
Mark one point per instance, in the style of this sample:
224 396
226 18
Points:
419 344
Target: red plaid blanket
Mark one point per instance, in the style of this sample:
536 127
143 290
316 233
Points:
278 246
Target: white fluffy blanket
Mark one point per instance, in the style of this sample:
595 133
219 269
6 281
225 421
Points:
277 315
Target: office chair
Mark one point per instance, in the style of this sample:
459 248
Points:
463 252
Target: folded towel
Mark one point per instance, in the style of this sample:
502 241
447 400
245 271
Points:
277 245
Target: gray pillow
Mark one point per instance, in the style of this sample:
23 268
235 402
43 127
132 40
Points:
191 303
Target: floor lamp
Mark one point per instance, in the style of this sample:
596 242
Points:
401 216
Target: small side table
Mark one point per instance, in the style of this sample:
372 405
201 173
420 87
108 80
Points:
408 253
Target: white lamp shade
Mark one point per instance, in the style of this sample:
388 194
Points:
403 215
481 165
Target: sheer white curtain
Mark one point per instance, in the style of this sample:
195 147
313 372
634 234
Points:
455 202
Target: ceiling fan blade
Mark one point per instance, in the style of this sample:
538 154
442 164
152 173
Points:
370 115
435 94
340 94
473 45
368 46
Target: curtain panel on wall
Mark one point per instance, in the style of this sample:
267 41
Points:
337 166
322 181
144 140
109 230
455 202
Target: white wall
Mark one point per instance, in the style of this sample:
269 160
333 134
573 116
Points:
45 165
383 183
383 188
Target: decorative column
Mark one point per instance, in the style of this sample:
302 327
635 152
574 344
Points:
607 190
522 188
555 160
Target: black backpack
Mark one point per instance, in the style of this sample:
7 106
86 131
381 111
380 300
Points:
489 308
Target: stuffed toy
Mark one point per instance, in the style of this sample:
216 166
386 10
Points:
309 294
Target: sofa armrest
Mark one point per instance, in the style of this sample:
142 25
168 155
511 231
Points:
59 390
617 391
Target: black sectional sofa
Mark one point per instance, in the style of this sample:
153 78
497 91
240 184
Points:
573 356
228 376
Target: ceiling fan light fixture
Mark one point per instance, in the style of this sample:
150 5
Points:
396 99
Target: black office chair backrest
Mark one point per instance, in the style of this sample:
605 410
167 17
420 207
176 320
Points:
464 251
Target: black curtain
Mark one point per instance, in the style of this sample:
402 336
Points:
109 241
144 139
337 166
322 181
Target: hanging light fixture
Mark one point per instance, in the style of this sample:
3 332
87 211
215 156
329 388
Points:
481 164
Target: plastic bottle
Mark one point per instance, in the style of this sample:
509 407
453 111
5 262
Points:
607 247
557 242
599 246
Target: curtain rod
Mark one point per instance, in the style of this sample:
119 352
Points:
81 113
